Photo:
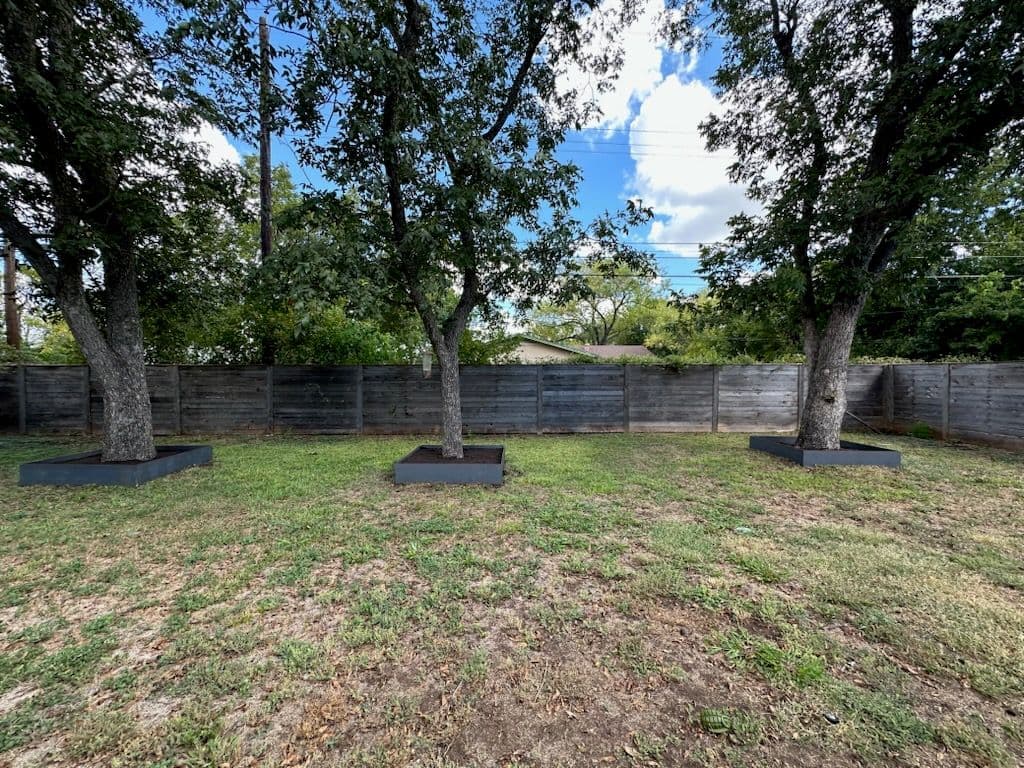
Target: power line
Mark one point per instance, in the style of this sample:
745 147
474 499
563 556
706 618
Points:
726 242
633 274
666 155
670 131
692 276
628 144
966 277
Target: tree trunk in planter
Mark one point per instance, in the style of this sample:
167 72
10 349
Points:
127 416
826 393
451 399
118 360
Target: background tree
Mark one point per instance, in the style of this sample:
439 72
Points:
955 292
93 159
607 309
866 109
232 307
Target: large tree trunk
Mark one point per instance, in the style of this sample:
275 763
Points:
451 400
826 394
118 360
12 323
120 367
127 416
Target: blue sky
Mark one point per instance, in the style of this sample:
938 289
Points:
646 145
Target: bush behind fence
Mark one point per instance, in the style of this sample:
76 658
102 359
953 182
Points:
983 402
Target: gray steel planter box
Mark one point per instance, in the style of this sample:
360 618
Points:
851 454
72 470
417 466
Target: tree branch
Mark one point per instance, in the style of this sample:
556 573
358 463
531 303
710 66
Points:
31 248
536 35
819 162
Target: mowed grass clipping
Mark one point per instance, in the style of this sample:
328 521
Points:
623 600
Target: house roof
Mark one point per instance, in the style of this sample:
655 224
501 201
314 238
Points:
607 351
555 345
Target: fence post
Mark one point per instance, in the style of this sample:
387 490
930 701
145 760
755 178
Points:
87 392
714 398
625 398
540 398
22 401
945 402
359 399
889 397
270 398
799 395
176 403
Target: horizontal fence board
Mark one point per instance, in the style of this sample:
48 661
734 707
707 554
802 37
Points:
56 398
757 397
400 399
865 397
499 399
671 400
9 399
223 399
918 393
316 399
985 400
582 398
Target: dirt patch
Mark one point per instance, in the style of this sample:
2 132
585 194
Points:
16 696
36 756
154 712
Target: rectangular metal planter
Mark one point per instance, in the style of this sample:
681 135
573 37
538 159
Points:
466 472
851 454
69 470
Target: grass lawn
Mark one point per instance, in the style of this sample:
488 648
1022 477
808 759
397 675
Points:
624 600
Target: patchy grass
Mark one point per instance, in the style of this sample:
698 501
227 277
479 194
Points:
624 600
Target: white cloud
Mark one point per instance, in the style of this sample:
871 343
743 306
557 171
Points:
219 149
687 186
641 71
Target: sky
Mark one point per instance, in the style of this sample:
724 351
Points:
646 145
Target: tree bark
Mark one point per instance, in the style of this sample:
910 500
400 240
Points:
826 394
12 322
117 358
119 364
127 415
451 400
810 342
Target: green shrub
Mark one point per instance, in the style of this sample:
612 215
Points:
921 431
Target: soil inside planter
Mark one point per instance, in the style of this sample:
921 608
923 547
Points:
162 452
472 454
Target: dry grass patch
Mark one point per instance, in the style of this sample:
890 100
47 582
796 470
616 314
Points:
624 600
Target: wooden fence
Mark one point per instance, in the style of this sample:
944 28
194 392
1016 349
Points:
978 402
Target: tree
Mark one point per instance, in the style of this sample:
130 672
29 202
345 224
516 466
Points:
93 158
605 311
847 119
439 120
958 295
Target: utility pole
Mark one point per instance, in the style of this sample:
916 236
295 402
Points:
267 353
12 323
266 237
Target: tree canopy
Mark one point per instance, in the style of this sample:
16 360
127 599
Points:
848 118
95 157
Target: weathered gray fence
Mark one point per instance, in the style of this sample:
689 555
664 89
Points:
977 402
